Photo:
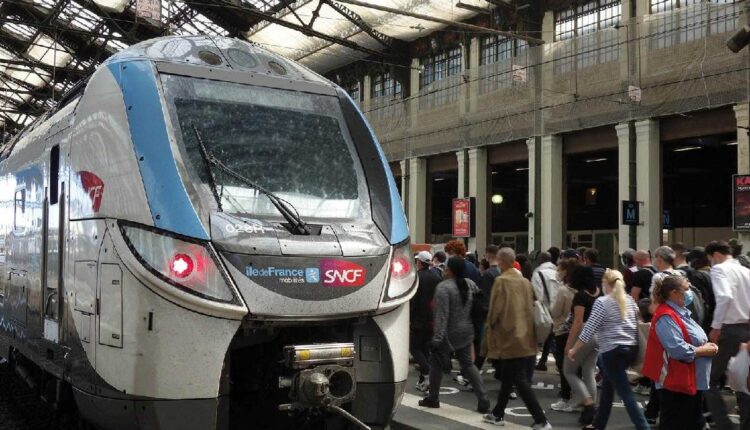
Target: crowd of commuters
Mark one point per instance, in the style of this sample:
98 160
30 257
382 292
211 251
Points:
666 325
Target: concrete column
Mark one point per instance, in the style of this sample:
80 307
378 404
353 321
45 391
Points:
623 181
405 186
478 188
473 73
533 194
463 174
366 88
743 155
648 177
413 102
417 202
551 192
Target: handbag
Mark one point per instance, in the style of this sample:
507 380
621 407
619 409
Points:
443 354
542 319
643 330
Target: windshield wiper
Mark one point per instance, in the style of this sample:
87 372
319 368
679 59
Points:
286 209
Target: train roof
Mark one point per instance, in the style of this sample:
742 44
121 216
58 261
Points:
218 53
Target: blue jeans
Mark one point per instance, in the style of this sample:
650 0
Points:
614 364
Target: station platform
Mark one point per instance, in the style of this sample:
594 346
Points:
458 404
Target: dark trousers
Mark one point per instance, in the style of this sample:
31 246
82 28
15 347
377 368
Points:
470 372
559 353
419 347
680 411
478 338
546 347
515 374
652 408
614 365
729 342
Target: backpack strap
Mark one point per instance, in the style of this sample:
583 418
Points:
544 284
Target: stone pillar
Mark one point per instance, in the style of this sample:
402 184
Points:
405 186
624 180
417 201
478 188
463 173
743 155
534 234
473 73
413 102
551 192
648 177
366 89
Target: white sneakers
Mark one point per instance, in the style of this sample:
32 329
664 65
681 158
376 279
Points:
492 419
545 426
563 405
422 386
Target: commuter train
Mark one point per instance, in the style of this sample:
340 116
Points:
205 235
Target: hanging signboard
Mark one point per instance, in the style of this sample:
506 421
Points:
634 93
148 9
630 215
463 217
741 203
519 73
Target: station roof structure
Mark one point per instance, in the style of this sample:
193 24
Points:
48 46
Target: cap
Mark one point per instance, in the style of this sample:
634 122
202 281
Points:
424 256
569 253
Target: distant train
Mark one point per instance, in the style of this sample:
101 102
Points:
205 236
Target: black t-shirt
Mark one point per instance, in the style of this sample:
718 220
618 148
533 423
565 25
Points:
642 280
582 298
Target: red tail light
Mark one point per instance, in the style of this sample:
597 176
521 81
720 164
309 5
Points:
181 266
400 267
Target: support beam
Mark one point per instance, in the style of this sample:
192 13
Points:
352 16
625 143
551 192
534 233
476 28
478 185
417 200
648 172
743 155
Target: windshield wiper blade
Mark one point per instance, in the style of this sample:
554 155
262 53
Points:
286 209
207 162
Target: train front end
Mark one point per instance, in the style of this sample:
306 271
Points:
276 224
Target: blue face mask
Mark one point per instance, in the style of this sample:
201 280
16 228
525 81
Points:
689 296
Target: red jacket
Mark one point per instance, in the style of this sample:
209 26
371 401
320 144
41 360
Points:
673 375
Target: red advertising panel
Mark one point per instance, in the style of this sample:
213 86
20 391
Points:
461 217
741 203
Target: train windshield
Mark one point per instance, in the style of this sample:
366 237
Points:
294 144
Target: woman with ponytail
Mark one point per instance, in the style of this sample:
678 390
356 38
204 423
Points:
454 333
614 324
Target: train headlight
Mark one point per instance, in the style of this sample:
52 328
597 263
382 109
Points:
403 276
188 265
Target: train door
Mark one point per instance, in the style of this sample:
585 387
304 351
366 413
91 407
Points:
52 246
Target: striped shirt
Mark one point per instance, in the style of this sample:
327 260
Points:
606 323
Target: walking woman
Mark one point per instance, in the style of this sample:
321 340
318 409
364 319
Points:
614 322
584 386
559 311
678 356
454 332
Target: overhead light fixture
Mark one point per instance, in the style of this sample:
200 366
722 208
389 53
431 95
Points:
731 143
494 172
686 148
439 179
521 169
596 160
497 199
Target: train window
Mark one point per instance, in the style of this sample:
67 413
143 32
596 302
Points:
19 206
292 143
54 174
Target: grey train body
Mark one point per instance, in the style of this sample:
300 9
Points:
157 303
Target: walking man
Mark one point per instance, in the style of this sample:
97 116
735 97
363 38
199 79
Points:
421 317
511 339
731 284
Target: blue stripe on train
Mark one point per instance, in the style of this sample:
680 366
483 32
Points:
171 208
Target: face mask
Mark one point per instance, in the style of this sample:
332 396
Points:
689 297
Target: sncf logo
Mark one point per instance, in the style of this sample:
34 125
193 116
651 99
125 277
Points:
339 273
94 186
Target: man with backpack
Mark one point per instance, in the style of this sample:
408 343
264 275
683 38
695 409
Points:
421 317
642 277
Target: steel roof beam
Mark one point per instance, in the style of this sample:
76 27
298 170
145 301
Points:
355 19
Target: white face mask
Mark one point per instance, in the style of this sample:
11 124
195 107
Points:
738 369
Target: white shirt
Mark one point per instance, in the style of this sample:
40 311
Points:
549 271
731 284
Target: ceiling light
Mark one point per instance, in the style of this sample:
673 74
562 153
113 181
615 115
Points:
521 169
494 172
497 199
596 160
439 179
731 143
686 148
